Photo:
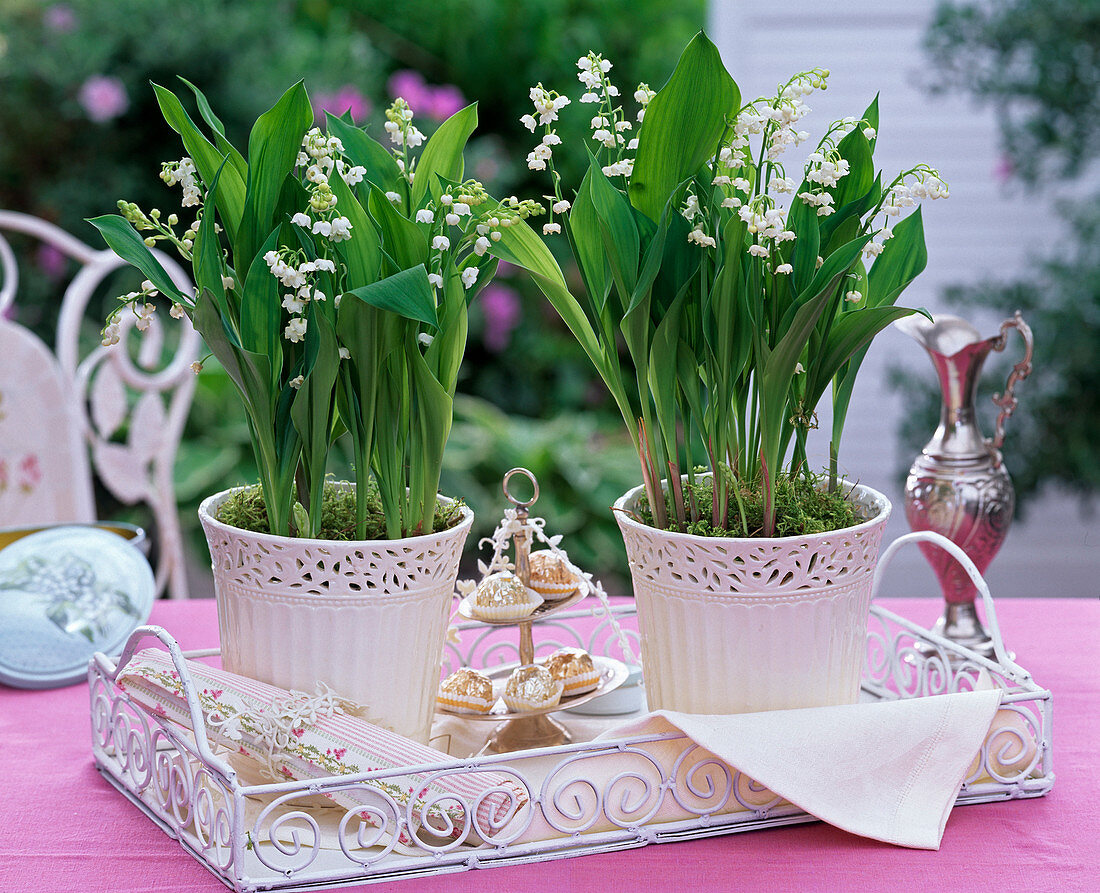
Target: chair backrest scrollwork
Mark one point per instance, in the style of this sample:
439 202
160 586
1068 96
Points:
124 406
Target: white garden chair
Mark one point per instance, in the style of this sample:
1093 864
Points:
58 408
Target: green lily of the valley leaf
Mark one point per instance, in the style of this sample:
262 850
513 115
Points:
273 148
521 246
683 124
442 154
588 246
433 425
401 238
407 293
125 241
207 158
206 254
312 407
261 324
903 258
223 145
363 150
363 251
620 234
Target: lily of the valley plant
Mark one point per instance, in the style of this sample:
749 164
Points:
743 285
332 280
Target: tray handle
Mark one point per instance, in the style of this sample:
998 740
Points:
936 539
111 670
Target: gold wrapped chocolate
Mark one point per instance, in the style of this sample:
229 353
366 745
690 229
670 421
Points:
575 669
503 597
531 687
551 577
466 691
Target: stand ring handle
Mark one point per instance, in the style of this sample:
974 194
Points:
519 503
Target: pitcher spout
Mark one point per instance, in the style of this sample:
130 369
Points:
958 351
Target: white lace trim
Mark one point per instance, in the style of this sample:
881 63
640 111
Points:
276 724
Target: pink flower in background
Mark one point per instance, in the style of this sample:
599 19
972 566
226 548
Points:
410 86
1003 170
30 473
444 101
103 98
59 18
438 103
51 261
346 99
486 168
501 307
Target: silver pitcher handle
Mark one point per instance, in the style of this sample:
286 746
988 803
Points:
1006 401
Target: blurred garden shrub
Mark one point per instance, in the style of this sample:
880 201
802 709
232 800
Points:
1037 62
582 463
79 124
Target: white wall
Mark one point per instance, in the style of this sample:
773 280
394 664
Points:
985 229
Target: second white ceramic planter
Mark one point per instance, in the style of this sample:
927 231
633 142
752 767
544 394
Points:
366 618
739 625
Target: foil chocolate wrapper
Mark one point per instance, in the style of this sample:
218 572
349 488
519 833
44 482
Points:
551 577
575 669
502 596
466 691
531 687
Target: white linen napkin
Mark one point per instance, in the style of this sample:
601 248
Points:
888 770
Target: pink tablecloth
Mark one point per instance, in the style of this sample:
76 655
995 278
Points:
63 828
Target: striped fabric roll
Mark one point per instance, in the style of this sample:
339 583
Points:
293 736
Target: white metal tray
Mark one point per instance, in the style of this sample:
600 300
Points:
589 797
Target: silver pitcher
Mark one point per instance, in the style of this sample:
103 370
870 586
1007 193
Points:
958 485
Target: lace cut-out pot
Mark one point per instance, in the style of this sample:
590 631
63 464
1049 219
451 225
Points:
737 625
367 618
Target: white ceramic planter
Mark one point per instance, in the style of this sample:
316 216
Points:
366 618
738 625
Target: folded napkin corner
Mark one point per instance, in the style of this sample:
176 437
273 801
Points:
888 770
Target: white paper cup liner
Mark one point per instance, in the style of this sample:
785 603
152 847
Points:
553 592
463 703
522 705
580 683
505 612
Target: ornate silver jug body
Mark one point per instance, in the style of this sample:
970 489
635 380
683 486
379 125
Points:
958 485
